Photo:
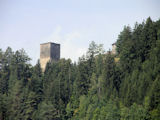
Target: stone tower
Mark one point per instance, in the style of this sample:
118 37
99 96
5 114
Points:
48 52
114 48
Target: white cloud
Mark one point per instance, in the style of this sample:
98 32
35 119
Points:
69 43
55 36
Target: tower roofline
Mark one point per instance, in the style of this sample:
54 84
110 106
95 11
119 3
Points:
49 43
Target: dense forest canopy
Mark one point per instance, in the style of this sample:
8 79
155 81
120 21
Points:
101 86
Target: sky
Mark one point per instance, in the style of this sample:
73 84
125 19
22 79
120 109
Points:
72 23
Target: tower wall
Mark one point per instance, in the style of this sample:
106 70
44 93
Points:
114 48
49 52
55 51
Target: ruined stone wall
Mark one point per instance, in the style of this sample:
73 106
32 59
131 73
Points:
114 49
55 51
48 52
43 62
45 50
44 55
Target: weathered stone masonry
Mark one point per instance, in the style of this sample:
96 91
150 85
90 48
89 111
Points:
48 52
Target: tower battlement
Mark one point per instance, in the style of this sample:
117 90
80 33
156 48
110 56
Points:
48 52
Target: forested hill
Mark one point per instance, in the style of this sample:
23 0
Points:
125 86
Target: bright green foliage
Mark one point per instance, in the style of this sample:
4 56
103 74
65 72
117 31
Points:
110 111
135 112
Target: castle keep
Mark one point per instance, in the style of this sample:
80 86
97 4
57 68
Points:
48 52
114 48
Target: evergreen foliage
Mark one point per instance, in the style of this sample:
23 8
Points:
96 88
